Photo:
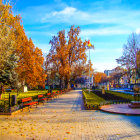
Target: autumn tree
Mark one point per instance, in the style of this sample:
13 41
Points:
55 62
77 71
21 50
88 68
8 58
116 75
30 65
99 77
129 57
67 52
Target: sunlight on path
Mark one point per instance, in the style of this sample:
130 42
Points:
62 118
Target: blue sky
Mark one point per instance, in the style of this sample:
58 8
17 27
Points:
107 23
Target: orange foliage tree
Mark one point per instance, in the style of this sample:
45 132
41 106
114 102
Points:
30 58
87 67
8 58
99 77
30 65
66 53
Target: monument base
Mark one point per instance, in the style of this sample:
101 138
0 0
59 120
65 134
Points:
134 104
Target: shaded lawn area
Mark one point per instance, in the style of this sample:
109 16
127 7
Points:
121 94
112 95
33 93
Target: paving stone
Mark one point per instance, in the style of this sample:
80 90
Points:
64 119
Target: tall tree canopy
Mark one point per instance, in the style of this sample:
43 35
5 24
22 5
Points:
99 77
138 62
67 53
19 58
129 57
8 57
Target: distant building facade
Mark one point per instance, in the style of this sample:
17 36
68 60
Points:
108 72
121 78
88 82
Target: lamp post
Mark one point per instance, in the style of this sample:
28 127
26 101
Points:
89 70
48 79
89 45
9 91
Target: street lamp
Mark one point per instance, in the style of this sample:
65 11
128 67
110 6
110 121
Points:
48 79
89 70
89 46
9 91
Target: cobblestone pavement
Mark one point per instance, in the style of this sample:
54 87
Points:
64 119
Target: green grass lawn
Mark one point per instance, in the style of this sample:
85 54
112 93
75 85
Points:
91 99
21 95
121 94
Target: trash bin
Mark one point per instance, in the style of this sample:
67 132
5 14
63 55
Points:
50 90
14 100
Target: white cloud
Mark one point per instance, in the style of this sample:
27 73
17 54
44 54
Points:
123 21
68 11
44 47
138 30
101 66
104 31
107 50
47 33
75 16
69 15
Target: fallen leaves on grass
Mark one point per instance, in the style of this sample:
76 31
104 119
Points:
67 132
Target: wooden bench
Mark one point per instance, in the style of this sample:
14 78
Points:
57 93
41 98
49 95
28 102
54 94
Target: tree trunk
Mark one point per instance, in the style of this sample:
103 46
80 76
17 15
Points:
67 83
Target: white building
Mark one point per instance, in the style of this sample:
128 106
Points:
108 72
88 82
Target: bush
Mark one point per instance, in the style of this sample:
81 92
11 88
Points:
121 94
91 101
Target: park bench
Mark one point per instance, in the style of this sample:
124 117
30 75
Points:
49 95
28 102
55 94
41 98
58 93
62 92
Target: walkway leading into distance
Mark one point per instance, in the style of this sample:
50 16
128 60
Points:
64 119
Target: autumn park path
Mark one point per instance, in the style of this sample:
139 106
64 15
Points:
64 118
